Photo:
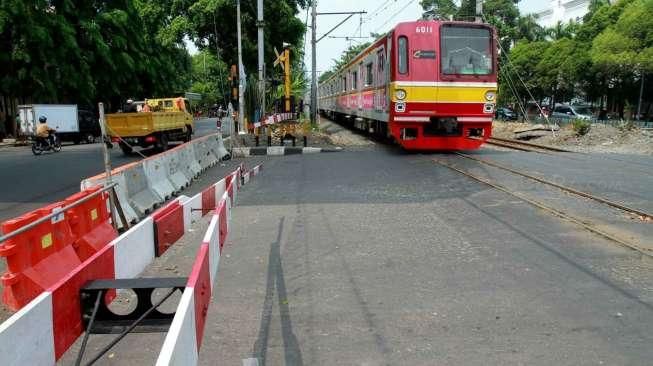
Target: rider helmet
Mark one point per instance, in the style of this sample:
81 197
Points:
43 119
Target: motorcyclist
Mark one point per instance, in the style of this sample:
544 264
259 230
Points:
44 132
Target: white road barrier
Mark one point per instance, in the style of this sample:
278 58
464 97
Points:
42 331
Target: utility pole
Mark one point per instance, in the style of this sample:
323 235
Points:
479 11
314 42
313 64
641 96
261 63
241 72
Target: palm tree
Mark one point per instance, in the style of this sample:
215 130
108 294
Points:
528 29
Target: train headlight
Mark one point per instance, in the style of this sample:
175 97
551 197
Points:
400 94
490 96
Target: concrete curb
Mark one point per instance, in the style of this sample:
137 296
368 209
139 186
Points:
279 150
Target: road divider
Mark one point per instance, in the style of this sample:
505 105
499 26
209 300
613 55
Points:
41 253
143 186
45 328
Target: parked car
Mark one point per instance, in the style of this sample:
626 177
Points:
572 112
505 114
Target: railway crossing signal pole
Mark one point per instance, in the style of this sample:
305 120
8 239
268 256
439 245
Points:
261 62
283 60
479 11
314 42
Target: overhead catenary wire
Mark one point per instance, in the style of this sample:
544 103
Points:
513 88
394 15
505 54
379 9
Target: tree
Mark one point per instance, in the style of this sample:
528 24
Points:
208 78
212 25
439 9
325 76
528 29
348 55
82 52
559 69
626 48
524 59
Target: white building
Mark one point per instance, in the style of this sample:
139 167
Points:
561 11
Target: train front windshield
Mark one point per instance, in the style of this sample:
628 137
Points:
466 50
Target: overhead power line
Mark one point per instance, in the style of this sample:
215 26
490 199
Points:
376 11
394 15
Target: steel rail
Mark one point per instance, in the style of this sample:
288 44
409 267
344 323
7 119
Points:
510 146
56 213
621 206
530 144
553 211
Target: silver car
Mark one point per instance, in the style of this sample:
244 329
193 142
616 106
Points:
572 112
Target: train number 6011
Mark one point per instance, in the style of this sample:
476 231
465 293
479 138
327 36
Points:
424 29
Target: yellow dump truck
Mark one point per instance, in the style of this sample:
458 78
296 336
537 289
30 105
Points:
157 122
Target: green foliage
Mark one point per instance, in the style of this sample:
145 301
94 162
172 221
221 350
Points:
604 57
629 42
581 127
325 76
209 78
213 26
439 9
86 51
346 57
626 126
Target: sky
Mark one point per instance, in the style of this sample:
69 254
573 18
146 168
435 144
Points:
381 16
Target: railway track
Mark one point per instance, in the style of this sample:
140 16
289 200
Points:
544 149
645 216
523 145
557 212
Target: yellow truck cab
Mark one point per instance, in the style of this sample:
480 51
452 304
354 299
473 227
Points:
157 122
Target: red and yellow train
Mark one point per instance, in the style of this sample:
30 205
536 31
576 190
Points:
429 85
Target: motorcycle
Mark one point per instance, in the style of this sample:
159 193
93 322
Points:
43 144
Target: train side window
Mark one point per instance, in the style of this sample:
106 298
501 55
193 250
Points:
369 70
354 80
381 62
402 62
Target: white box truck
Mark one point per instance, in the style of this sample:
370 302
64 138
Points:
71 124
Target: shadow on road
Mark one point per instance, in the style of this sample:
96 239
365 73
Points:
276 280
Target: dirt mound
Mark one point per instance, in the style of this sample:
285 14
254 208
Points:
600 138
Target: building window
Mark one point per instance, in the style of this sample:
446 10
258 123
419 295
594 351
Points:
402 63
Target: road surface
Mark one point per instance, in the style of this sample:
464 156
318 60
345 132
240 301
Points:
28 182
377 257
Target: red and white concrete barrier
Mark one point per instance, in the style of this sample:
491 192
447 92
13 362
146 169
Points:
42 331
275 118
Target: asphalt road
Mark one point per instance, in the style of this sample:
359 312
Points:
377 257
28 182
